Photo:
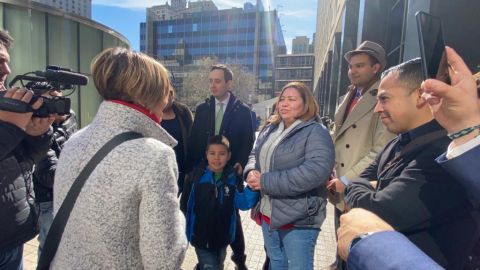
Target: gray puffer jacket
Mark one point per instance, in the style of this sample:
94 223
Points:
300 165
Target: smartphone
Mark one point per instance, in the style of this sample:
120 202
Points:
432 47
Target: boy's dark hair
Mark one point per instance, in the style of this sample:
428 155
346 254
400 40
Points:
5 39
227 72
218 139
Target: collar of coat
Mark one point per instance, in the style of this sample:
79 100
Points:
120 118
364 106
271 127
232 102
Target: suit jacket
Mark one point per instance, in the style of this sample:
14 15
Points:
236 127
420 199
388 250
186 120
357 138
464 168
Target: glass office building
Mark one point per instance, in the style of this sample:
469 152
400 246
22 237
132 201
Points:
392 24
250 36
294 68
45 36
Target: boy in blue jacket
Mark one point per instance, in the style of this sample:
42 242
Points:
209 200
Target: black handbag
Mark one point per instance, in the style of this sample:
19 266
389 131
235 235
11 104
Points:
58 225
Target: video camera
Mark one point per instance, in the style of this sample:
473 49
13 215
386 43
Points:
40 82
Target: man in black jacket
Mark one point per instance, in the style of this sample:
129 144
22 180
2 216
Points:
223 114
44 174
413 193
23 141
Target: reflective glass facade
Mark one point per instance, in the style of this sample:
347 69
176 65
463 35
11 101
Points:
294 67
248 37
391 24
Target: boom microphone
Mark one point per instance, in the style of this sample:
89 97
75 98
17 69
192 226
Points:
63 76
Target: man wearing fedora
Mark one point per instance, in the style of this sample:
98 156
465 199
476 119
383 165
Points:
359 133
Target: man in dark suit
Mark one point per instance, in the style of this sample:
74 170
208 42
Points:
459 114
222 113
414 194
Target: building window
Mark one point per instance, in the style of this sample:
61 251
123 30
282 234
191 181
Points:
396 32
194 27
170 29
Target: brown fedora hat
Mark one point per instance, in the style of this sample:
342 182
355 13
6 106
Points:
370 48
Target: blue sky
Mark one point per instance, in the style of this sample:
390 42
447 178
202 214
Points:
298 18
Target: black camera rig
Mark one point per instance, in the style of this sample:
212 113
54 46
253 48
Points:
40 82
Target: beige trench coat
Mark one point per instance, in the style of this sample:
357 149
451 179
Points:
359 138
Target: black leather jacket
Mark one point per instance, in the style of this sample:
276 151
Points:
18 154
45 169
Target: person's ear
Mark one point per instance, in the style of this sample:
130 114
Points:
420 100
376 68
229 84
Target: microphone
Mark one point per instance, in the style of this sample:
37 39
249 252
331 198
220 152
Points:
63 76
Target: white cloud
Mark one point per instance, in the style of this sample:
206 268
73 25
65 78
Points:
298 14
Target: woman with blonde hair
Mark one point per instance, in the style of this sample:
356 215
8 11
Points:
292 159
126 215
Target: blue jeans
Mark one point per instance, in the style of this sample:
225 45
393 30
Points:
210 259
12 259
292 249
45 220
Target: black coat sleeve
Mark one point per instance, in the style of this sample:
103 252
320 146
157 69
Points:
38 146
45 169
11 136
198 138
411 197
370 173
187 189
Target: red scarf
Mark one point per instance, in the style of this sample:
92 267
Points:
138 108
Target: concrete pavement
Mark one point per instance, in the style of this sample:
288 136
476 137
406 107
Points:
324 252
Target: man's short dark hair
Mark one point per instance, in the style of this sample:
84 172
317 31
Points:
5 39
227 72
218 140
409 74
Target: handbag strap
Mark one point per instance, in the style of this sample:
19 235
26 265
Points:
58 225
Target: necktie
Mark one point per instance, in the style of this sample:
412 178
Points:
356 98
219 118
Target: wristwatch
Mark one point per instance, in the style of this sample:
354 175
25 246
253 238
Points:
358 238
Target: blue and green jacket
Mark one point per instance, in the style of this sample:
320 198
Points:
210 206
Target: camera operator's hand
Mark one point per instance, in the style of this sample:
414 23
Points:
454 106
21 120
39 125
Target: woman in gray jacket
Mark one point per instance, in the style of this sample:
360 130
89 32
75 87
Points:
291 162
127 214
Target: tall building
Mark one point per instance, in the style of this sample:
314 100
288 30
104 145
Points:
301 44
294 67
180 35
345 24
78 7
